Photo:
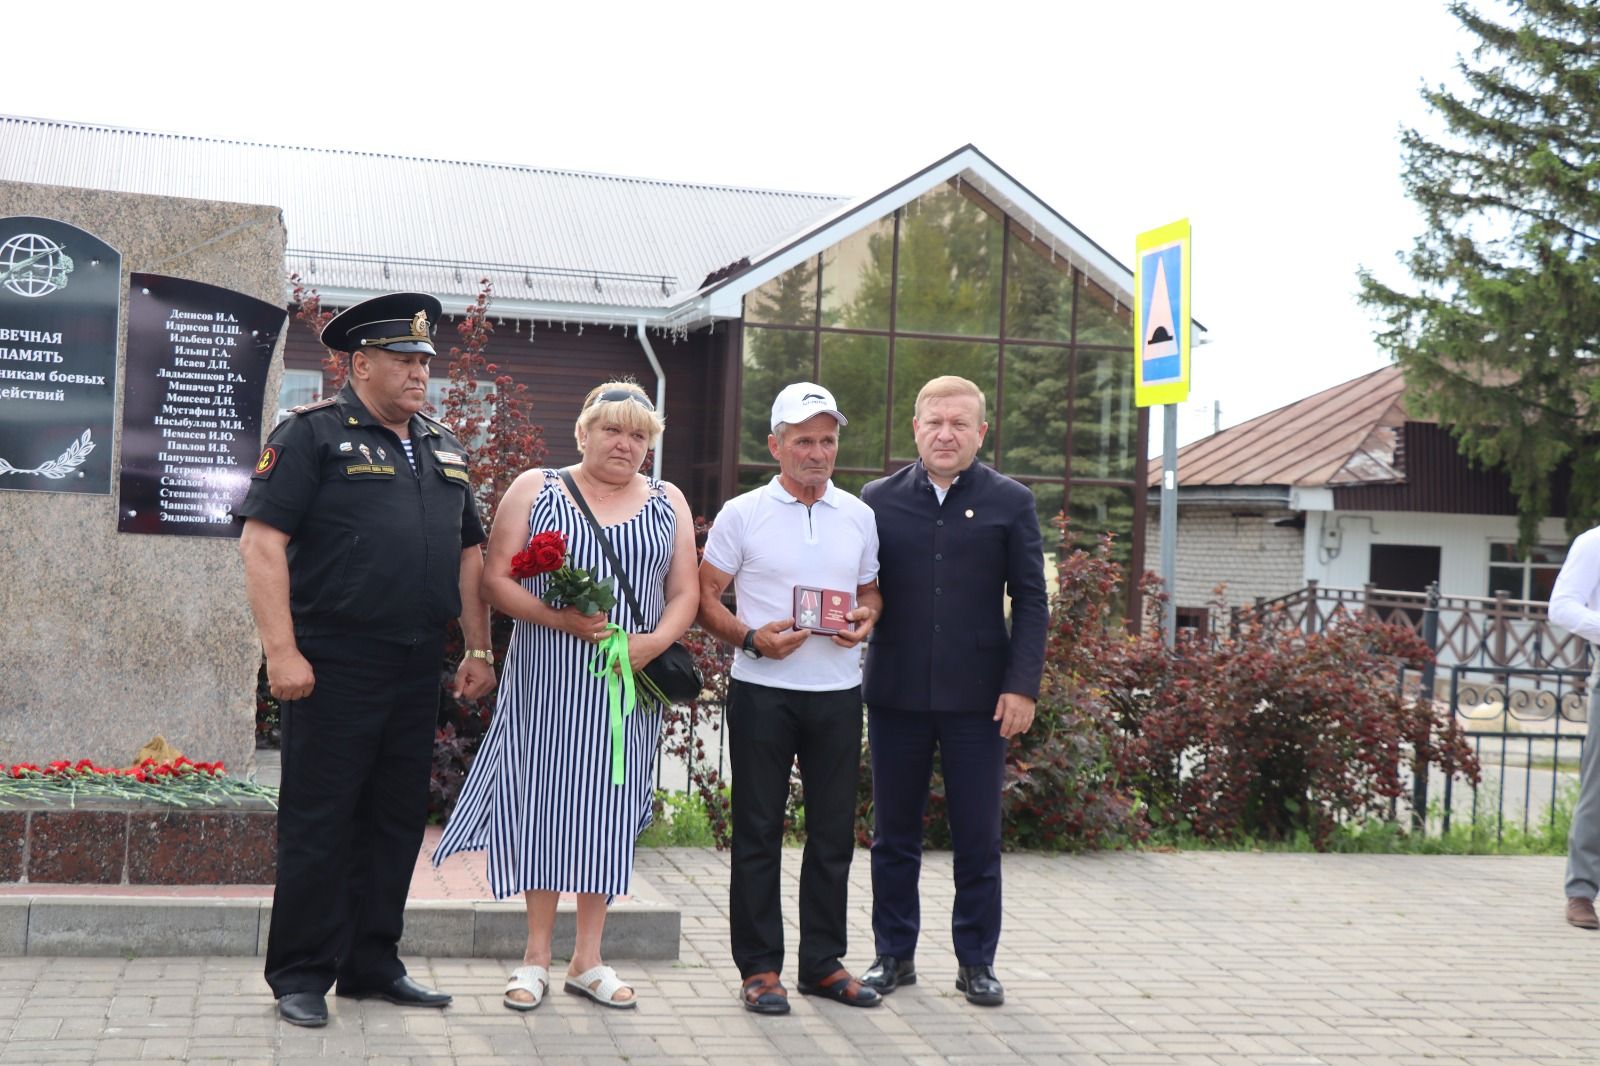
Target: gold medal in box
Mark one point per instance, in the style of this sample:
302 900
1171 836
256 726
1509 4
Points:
822 610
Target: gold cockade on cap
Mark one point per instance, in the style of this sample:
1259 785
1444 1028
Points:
419 324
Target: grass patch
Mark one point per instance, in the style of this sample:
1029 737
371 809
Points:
680 822
1548 836
1544 763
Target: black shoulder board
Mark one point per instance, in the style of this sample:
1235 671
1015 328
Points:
315 406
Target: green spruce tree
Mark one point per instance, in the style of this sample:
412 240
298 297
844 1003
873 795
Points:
1499 335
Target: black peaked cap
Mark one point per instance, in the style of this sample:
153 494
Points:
399 322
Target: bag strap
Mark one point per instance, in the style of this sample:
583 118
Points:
605 546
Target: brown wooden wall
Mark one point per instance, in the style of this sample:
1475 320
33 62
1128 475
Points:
561 366
1442 480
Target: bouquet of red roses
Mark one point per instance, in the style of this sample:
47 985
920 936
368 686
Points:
546 553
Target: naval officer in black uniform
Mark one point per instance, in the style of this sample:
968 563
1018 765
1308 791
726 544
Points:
361 541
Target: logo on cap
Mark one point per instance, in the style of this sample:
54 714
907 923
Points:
419 324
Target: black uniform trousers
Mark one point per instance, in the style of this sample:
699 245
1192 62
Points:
972 758
768 730
352 806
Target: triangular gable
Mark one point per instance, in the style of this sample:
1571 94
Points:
723 297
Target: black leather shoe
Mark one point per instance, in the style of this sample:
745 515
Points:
888 973
309 1009
402 991
980 984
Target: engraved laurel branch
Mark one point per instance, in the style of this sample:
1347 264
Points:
62 465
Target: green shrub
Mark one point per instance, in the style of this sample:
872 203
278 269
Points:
680 821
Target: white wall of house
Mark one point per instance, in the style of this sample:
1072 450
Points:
1338 544
1240 545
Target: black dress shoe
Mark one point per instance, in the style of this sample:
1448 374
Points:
309 1009
888 973
402 991
980 984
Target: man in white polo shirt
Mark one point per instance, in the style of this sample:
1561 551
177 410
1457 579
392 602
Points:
795 694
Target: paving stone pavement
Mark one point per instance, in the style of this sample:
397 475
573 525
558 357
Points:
1142 959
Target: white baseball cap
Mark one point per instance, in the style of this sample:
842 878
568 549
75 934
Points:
803 400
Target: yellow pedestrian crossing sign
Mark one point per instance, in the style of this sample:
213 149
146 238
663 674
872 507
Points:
1161 325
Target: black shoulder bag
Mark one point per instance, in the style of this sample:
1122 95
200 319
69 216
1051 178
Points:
673 671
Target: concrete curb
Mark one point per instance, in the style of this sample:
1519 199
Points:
168 926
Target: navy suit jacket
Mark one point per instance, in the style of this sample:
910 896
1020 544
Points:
945 572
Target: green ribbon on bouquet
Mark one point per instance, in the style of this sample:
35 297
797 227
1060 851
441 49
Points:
611 662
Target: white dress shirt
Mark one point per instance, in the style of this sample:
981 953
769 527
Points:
1575 601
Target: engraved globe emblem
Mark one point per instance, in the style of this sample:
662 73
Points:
33 266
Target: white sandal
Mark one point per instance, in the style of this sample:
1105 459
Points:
609 986
534 980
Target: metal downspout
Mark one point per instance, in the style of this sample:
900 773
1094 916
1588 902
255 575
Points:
661 389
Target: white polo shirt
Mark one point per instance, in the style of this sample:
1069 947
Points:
770 542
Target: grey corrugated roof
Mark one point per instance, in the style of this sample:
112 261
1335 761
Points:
549 236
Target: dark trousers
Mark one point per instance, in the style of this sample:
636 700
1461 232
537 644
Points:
768 729
972 755
352 805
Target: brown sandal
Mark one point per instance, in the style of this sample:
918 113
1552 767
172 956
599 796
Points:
840 987
764 993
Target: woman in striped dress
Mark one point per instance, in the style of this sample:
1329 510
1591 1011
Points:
539 796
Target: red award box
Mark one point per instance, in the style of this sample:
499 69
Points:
822 610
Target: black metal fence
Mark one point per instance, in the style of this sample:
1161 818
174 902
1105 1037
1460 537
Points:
1526 726
703 720
1517 685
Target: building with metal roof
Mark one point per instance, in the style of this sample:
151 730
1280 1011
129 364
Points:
716 295
1347 488
597 247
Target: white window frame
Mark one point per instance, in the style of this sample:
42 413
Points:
1525 567
294 387
436 390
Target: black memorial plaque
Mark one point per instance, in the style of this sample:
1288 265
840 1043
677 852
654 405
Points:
59 290
191 410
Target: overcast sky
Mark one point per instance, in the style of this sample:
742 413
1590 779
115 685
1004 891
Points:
1274 127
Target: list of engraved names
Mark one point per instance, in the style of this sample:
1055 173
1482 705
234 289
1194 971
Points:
198 419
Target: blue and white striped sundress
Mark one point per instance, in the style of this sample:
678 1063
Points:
539 795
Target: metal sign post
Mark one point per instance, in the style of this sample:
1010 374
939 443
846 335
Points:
1161 341
1169 520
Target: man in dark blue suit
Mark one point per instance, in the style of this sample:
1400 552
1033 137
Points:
955 539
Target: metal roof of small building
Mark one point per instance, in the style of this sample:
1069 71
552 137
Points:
1346 435
545 236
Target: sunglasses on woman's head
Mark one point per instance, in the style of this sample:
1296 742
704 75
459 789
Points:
612 395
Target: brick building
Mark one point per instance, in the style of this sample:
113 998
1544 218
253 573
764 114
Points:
1346 488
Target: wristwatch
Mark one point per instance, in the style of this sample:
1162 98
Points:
480 653
750 648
